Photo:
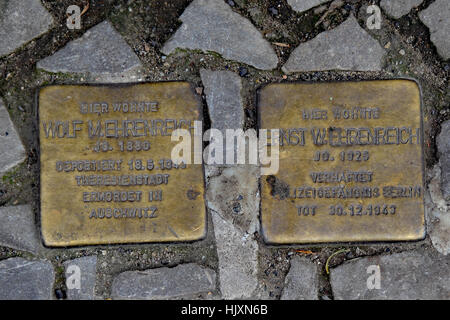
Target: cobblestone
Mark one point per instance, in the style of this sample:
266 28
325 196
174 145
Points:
21 279
406 275
17 228
211 25
347 47
101 52
11 148
436 18
87 267
21 22
186 280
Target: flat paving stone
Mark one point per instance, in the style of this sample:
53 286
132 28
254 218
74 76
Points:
87 268
398 8
302 280
20 22
304 5
406 275
347 47
233 200
18 229
443 144
185 280
225 106
436 18
223 96
438 207
12 151
234 193
211 25
100 51
238 259
438 213
22 279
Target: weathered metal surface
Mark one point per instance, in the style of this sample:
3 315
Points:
363 182
106 170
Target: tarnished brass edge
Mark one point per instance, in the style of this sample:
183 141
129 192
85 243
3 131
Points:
49 244
420 235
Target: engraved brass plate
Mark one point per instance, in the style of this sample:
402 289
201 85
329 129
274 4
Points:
351 164
106 169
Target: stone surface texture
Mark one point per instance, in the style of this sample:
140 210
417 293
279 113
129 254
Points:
233 200
302 280
211 25
347 47
18 229
398 8
406 275
443 144
303 5
437 201
20 22
238 259
87 268
225 107
438 213
223 96
232 194
100 52
436 18
186 280
21 279
12 151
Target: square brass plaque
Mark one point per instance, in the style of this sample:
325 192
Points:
106 169
350 162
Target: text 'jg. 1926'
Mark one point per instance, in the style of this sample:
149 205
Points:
351 165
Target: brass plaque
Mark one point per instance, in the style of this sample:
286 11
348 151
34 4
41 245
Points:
351 165
106 169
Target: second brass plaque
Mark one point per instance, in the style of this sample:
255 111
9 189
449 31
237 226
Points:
350 162
106 169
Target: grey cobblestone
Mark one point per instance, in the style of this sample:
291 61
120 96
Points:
223 96
211 25
22 279
12 151
184 280
88 268
238 259
347 47
438 213
232 193
20 22
18 229
399 8
304 5
302 281
233 200
100 52
443 144
436 18
406 275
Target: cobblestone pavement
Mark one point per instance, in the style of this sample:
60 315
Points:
226 50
